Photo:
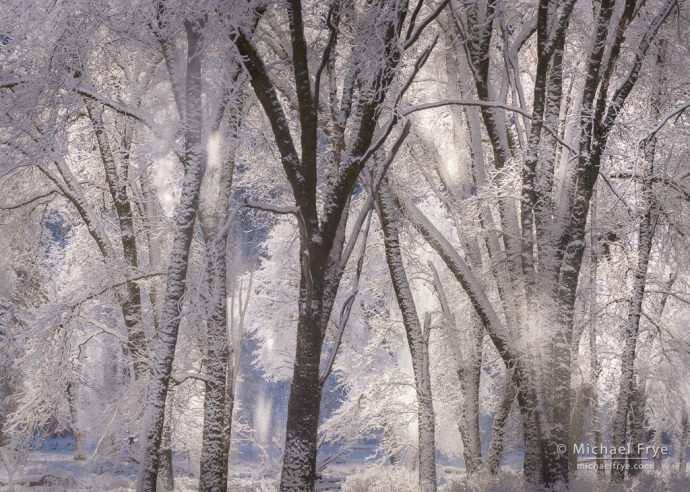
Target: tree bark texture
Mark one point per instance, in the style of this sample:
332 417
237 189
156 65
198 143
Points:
183 233
684 442
468 364
166 473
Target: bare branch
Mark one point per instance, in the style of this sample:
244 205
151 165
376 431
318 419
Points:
464 102
177 380
413 18
414 37
121 108
28 200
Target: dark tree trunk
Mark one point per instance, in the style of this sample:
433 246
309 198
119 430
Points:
322 235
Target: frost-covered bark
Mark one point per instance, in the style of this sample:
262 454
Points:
415 338
556 250
131 309
505 343
498 429
631 402
183 232
213 475
684 442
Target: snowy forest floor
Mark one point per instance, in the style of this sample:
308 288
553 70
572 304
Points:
56 471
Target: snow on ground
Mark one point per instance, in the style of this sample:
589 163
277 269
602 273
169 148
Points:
60 473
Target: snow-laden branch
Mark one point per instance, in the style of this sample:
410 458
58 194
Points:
8 335
267 207
266 93
626 87
14 81
125 110
615 192
114 285
105 433
485 104
383 133
503 341
103 329
464 102
332 38
663 121
121 108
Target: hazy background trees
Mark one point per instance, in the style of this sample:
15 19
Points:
450 231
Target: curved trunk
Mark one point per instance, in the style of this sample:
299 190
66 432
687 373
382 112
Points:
416 338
